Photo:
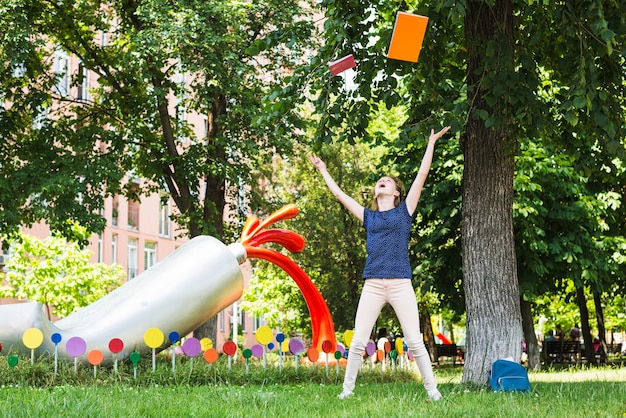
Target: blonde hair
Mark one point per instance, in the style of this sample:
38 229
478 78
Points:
398 199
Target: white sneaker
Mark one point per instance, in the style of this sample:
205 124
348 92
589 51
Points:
434 395
344 394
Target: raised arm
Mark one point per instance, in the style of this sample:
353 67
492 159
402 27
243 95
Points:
349 203
413 196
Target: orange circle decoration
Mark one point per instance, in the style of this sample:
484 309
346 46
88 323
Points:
95 357
313 354
211 355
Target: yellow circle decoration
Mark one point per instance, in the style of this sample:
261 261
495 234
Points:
399 346
153 337
284 346
264 335
206 343
347 337
32 338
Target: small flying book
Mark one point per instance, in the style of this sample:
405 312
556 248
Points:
407 37
342 64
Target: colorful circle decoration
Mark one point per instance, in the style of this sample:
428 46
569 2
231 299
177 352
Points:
280 337
247 353
230 348
347 337
399 346
327 347
32 338
284 346
341 349
153 337
192 347
56 338
264 335
75 346
211 355
313 354
0 347
370 348
13 359
173 337
296 346
206 343
257 350
270 346
134 357
338 354
95 357
116 345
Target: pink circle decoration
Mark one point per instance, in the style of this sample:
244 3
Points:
257 350
296 346
192 347
75 346
341 348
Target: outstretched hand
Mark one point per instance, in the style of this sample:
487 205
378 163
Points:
317 162
435 136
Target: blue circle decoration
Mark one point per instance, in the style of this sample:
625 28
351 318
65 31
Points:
56 338
280 337
270 346
173 336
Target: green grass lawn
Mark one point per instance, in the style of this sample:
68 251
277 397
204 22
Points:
202 390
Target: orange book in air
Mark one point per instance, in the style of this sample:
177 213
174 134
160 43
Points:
407 37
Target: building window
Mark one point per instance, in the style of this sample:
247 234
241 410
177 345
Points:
164 216
242 321
115 210
100 248
61 69
149 255
113 248
132 258
257 322
133 216
83 86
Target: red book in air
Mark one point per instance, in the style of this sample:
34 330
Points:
408 35
342 64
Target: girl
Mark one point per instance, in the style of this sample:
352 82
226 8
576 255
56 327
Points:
387 270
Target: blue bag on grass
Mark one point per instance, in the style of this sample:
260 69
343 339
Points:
508 375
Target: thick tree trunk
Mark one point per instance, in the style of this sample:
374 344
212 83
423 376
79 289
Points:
601 330
528 325
214 200
494 328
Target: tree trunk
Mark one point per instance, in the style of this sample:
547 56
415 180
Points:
532 347
427 331
214 200
494 328
601 330
584 325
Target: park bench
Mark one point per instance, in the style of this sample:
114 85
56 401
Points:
561 351
448 350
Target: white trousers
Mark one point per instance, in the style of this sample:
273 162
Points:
399 293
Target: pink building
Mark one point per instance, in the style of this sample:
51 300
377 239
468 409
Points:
139 234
